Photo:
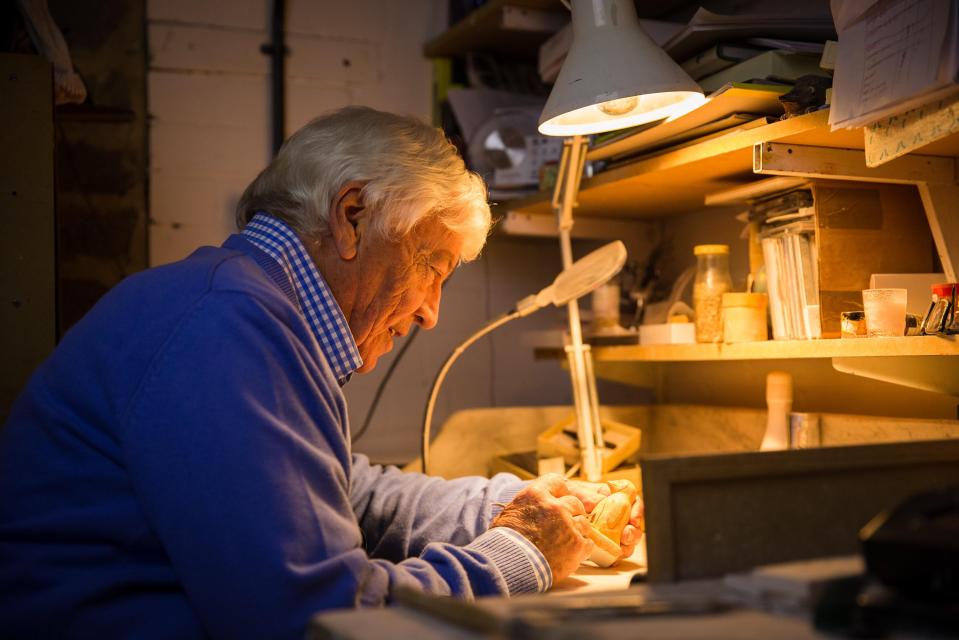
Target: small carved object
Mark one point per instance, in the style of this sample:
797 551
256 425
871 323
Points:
608 519
808 94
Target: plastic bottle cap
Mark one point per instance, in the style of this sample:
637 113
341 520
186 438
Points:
710 249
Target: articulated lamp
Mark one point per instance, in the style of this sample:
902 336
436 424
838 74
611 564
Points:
580 278
614 76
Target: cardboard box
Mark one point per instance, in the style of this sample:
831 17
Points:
862 229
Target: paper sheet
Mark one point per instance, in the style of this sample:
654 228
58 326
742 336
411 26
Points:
807 20
896 56
895 136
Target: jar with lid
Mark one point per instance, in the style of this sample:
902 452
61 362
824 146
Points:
712 281
744 317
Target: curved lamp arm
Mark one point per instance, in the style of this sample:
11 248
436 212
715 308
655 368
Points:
582 277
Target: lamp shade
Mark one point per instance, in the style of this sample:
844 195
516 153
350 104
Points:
614 76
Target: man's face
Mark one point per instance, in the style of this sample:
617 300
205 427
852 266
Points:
398 283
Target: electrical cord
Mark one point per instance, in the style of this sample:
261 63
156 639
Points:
382 386
438 381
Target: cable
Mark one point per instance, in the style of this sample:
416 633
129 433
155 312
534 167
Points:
434 392
386 378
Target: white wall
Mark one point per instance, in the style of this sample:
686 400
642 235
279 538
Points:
209 136
208 93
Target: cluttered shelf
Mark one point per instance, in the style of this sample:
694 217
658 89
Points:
773 350
504 27
677 180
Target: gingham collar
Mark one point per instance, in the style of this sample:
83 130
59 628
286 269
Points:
275 238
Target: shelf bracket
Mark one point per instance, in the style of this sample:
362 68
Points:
928 373
934 176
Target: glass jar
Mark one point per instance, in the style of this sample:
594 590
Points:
712 281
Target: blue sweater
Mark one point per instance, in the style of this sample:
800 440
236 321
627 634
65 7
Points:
181 467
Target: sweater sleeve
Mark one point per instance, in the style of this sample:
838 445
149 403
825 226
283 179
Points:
400 513
236 447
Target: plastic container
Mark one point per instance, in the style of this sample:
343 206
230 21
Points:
885 312
744 317
712 281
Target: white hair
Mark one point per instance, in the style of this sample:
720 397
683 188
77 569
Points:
410 171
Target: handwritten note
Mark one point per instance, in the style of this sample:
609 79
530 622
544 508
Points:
892 59
898 135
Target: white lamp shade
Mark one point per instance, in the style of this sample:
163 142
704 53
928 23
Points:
614 76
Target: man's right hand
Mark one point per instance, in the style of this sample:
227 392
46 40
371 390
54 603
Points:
547 515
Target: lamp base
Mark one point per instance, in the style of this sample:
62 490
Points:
621 441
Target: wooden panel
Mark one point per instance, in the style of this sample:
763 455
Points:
27 246
711 515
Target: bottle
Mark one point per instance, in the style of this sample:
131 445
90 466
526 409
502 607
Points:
779 402
712 281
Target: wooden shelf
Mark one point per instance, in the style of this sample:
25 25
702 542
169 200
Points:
773 350
484 31
915 361
676 181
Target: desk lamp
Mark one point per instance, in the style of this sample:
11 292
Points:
614 76
580 278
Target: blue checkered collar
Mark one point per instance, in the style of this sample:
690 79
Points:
275 238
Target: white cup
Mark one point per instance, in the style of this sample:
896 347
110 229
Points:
885 312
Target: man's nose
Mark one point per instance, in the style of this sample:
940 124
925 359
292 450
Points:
429 312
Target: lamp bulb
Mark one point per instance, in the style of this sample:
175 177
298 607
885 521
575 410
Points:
619 106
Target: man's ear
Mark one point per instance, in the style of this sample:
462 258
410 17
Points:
345 212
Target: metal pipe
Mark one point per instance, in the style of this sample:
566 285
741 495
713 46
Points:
276 49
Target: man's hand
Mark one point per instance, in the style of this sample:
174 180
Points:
590 493
547 515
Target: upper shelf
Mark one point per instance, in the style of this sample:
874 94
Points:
677 180
502 27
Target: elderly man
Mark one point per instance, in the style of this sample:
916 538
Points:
181 466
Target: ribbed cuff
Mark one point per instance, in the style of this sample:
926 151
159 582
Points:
522 565
505 497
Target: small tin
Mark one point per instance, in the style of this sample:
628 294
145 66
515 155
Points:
852 324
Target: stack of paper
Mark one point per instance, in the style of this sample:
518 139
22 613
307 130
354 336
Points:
773 66
798 21
894 55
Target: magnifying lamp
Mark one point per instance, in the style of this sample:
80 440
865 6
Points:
580 278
